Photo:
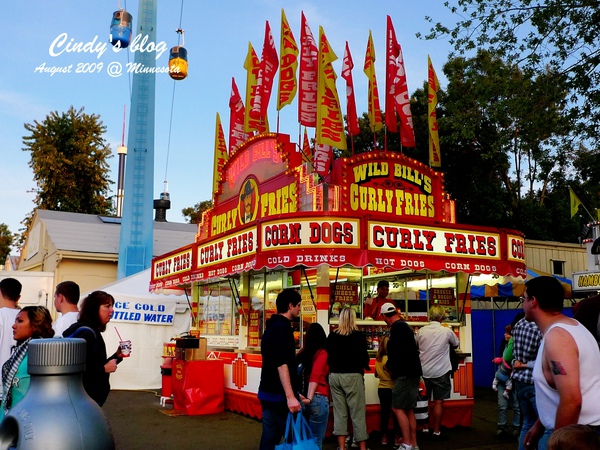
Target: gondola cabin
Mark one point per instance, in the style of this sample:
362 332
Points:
178 63
120 28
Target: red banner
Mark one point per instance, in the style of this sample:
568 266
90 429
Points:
397 96
268 68
307 89
311 239
352 116
236 119
306 150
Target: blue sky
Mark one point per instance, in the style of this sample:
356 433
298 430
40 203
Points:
216 37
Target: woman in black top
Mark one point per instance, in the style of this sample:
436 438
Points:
96 311
348 359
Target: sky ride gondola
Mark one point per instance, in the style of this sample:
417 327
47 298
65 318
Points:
178 63
120 28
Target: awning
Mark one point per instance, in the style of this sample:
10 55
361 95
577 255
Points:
516 287
311 239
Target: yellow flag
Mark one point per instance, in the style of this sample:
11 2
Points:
330 121
435 156
575 202
288 64
220 154
252 66
375 118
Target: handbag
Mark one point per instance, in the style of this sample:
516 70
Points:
297 434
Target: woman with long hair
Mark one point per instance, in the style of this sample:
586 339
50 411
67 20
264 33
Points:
96 311
348 360
32 322
313 368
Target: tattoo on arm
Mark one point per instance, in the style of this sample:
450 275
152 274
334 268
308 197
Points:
557 368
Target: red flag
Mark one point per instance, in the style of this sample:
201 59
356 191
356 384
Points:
307 85
369 68
268 68
352 117
397 98
288 50
322 159
306 147
236 119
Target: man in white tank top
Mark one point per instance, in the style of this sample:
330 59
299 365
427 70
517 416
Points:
567 369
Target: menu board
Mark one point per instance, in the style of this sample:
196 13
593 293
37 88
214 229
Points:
344 295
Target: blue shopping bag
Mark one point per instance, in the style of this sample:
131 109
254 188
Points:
297 434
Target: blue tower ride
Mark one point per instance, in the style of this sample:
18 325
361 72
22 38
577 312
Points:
136 241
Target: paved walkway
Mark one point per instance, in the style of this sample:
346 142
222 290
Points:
139 422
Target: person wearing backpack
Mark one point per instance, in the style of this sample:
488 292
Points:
314 392
96 311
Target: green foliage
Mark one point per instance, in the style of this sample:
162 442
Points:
6 241
69 162
506 149
194 214
560 36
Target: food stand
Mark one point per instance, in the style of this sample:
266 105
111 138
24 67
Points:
276 223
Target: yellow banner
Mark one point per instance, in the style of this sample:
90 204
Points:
375 118
435 156
288 65
220 154
330 122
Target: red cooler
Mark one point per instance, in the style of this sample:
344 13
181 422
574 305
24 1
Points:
198 386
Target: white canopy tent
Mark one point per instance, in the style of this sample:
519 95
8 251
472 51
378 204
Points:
148 320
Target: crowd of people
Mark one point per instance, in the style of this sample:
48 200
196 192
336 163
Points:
18 326
548 374
333 367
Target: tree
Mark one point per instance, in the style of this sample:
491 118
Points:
194 214
514 127
560 36
6 241
69 161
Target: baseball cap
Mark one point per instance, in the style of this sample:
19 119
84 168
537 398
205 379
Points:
387 308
